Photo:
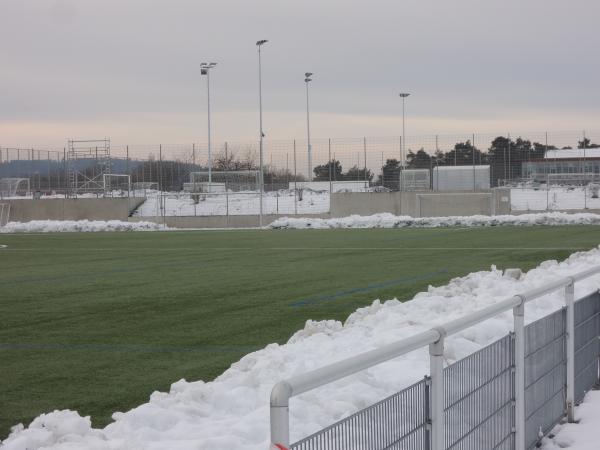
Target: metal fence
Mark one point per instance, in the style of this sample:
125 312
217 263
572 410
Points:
481 393
399 422
545 171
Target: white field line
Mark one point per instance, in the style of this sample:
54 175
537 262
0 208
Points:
3 245
203 249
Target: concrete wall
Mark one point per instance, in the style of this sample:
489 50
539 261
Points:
218 221
456 204
420 204
26 210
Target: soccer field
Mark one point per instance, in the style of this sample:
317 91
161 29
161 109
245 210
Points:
96 322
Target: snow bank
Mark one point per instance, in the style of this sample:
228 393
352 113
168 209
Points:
582 435
386 220
232 411
61 226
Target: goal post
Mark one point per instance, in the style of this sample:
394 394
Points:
4 213
13 187
116 183
221 181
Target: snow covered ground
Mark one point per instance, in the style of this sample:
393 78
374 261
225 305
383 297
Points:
386 220
59 226
232 411
582 435
235 203
555 198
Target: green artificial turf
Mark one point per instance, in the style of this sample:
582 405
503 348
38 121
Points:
96 322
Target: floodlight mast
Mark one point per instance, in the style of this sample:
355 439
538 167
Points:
205 70
307 80
403 95
259 44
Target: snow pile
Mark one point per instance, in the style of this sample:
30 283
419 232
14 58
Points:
232 411
387 220
233 203
582 435
60 226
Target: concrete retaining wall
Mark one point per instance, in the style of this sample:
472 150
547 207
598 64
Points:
25 210
421 204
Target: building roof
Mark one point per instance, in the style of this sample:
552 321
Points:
575 153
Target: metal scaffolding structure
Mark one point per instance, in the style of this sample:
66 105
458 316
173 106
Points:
87 163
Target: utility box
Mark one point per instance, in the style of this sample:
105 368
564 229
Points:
461 178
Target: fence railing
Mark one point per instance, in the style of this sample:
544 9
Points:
505 396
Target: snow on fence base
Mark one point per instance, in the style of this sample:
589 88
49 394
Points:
61 226
386 220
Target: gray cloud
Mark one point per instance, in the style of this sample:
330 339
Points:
111 61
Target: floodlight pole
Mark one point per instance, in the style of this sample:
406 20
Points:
307 80
403 95
205 70
259 44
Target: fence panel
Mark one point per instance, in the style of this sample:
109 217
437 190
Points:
587 344
545 375
479 395
396 423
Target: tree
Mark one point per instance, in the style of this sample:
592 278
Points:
331 169
506 157
586 143
464 154
357 174
390 175
419 160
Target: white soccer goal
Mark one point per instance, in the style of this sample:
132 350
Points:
14 187
4 213
116 185
221 181
415 180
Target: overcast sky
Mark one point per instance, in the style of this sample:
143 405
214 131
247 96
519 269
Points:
129 69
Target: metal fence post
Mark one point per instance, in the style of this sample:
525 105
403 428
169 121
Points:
436 368
519 329
280 415
570 343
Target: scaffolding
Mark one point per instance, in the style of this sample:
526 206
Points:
87 163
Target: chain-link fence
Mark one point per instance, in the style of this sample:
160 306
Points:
544 171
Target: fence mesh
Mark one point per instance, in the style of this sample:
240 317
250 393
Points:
398 423
480 393
479 399
587 344
545 375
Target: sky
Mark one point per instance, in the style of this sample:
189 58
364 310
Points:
129 69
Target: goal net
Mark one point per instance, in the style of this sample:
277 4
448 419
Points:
116 185
415 180
13 187
4 213
221 181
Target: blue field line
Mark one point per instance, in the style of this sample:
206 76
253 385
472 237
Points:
370 287
135 348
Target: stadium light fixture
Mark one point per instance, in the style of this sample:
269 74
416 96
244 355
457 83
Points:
308 79
259 44
403 95
205 70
